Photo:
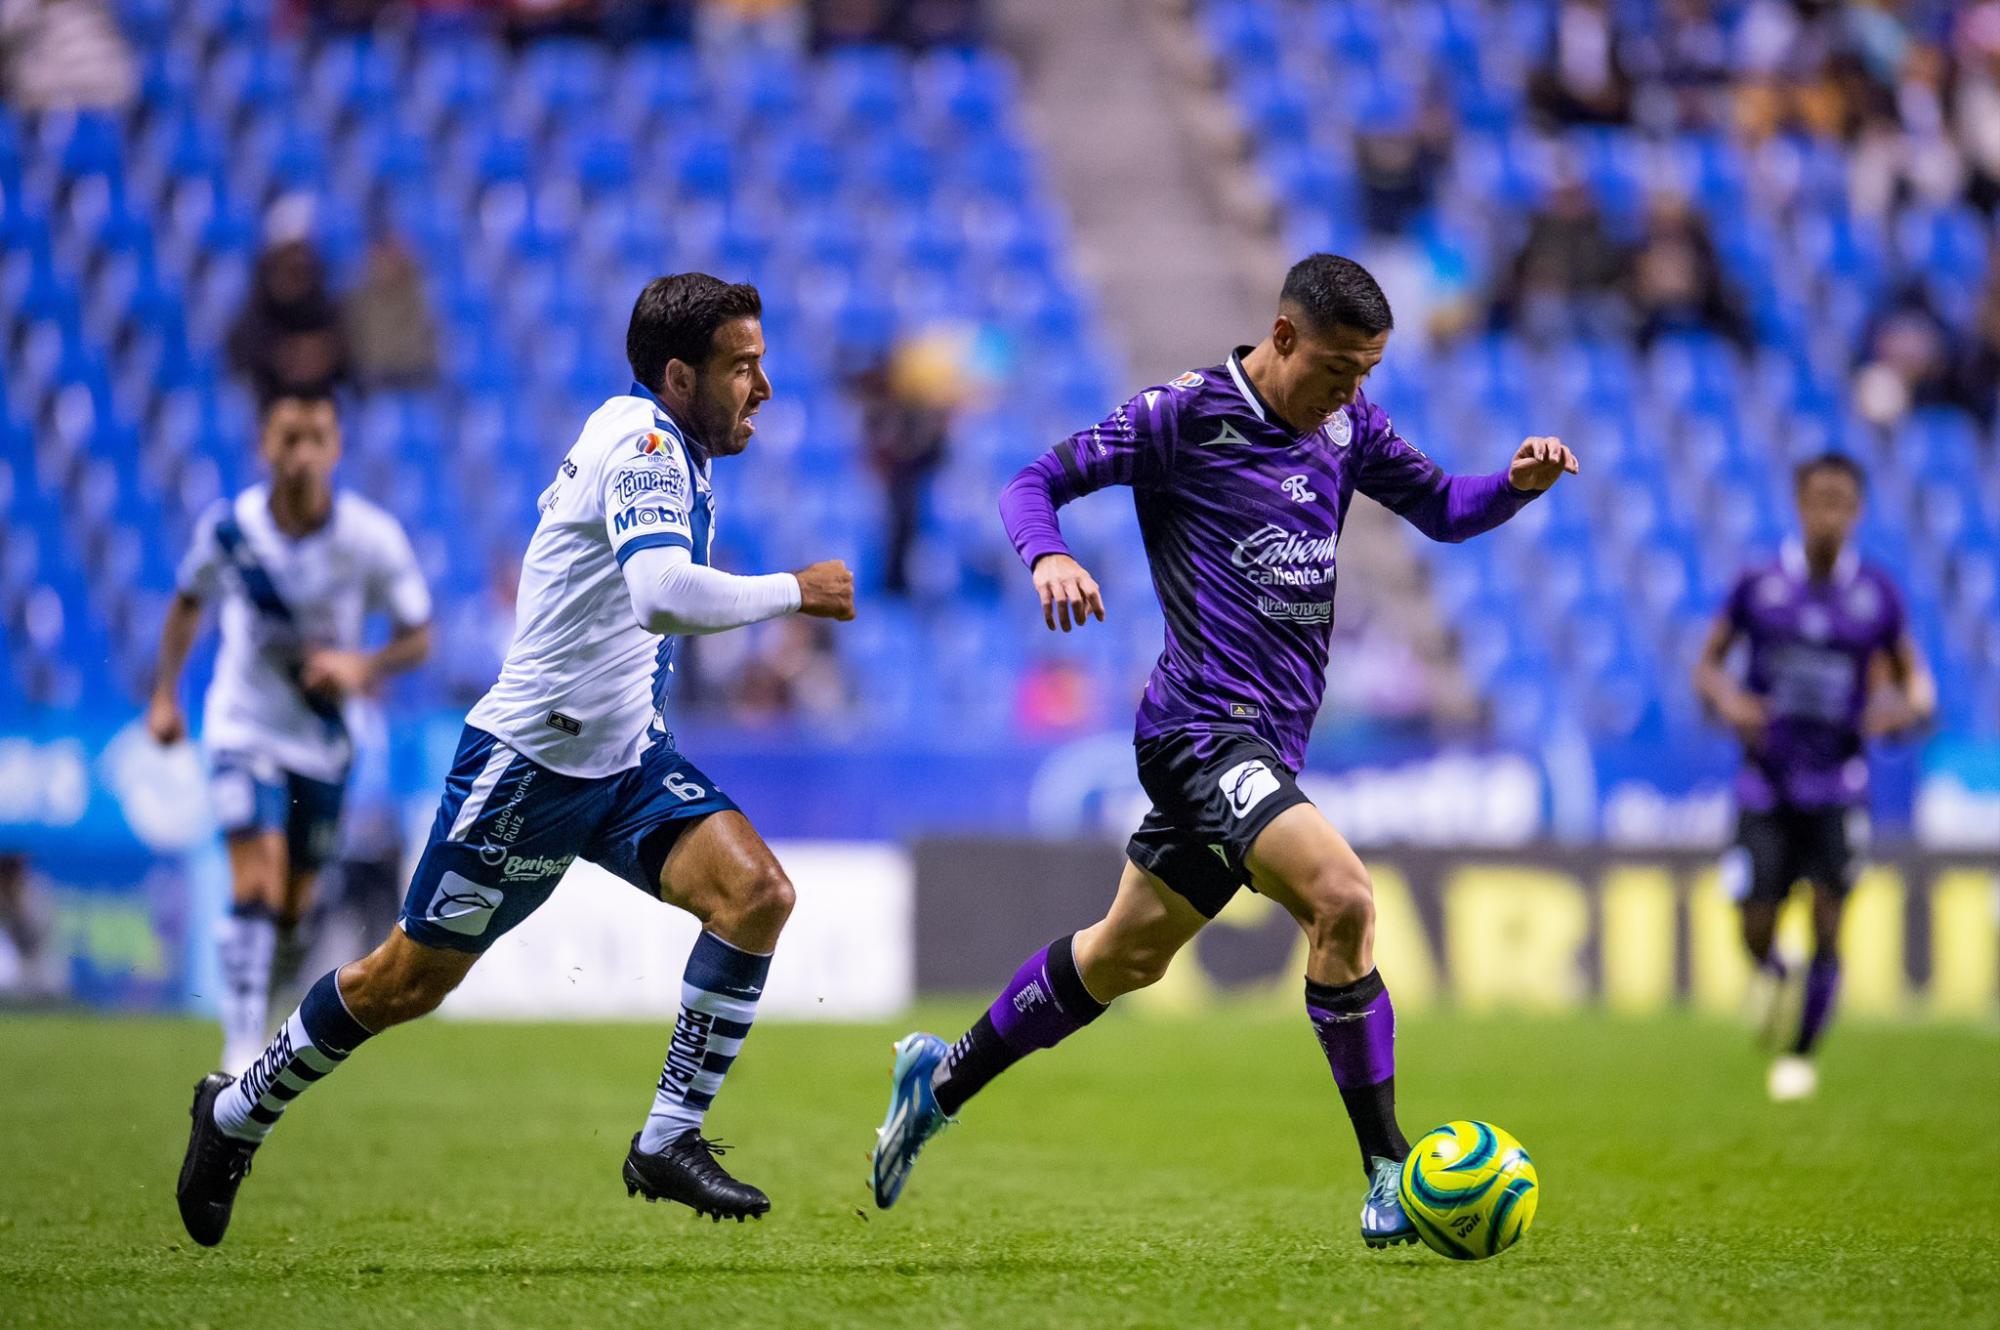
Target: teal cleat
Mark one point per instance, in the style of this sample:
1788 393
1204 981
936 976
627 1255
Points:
1383 1223
914 1116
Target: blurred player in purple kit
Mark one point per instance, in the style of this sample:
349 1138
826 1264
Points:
1821 627
1242 474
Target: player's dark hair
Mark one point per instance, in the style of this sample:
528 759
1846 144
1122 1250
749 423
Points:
271 401
675 318
1332 291
1840 463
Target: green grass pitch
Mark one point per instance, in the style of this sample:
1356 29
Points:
1153 1172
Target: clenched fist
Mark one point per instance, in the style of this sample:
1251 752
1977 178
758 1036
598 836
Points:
826 590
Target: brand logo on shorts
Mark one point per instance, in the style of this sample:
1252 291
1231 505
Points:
461 905
1246 785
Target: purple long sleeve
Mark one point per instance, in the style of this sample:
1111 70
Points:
1028 508
1466 506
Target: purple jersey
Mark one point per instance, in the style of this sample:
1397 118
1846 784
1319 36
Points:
1811 644
1241 517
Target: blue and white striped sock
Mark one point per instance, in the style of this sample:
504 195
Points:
719 995
312 1042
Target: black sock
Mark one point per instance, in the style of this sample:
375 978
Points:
978 1056
985 1051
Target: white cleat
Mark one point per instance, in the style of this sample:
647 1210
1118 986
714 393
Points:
1792 1078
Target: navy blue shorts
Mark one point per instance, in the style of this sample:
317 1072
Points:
253 794
507 829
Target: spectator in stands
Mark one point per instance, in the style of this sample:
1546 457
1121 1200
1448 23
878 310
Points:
64 55
1675 277
1910 358
389 328
1055 696
1903 151
722 27
914 23
906 404
1680 69
1398 164
1975 102
1980 378
288 340
1567 277
1584 81
24 918
791 669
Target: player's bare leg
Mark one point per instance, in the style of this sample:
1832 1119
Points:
1772 1002
295 936
1056 992
721 871
1304 864
246 943
1793 1076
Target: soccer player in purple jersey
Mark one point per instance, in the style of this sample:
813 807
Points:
1821 626
1242 474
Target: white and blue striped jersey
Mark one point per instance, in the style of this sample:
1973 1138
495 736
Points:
283 598
584 680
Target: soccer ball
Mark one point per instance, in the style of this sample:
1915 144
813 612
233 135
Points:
1470 1189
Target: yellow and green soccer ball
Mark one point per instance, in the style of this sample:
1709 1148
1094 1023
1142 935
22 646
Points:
1470 1189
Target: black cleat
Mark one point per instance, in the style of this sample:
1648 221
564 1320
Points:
686 1171
215 1166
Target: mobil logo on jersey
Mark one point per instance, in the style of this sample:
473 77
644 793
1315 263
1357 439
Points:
633 519
1275 556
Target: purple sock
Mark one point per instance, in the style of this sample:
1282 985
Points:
1356 1025
1043 1004
1822 983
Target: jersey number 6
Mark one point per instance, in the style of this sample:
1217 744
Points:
683 789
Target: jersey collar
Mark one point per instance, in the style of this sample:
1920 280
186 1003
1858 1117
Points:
1792 556
1249 389
663 415
1266 413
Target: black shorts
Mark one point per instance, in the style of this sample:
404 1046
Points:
1775 850
1213 794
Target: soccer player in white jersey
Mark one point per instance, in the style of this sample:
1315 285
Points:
569 757
298 567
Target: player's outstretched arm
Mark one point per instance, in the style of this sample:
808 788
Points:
340 674
1455 508
165 720
671 594
1539 463
1739 709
